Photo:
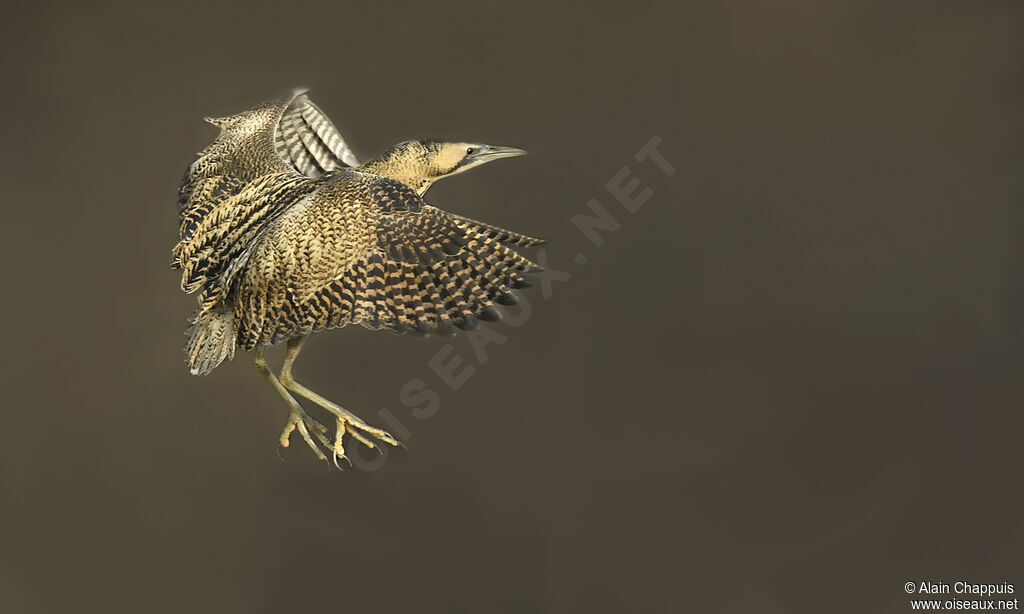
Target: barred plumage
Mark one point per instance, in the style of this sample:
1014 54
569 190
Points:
284 234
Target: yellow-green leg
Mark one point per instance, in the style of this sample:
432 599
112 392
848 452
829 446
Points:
297 417
347 421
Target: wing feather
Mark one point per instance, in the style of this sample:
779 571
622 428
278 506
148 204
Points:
397 264
494 232
309 141
332 147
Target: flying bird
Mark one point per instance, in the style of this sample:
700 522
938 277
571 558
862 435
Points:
283 233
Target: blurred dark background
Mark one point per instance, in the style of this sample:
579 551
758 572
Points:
791 382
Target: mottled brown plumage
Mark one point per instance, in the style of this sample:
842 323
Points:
283 234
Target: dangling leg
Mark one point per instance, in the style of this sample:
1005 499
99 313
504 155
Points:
346 420
297 417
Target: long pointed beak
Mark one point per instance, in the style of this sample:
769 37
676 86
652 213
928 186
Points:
488 153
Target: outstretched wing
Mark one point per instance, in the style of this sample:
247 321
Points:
368 250
499 234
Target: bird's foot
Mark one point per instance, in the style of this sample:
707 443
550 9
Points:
314 433
309 429
361 432
348 423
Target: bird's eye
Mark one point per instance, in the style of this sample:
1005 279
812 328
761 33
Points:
470 151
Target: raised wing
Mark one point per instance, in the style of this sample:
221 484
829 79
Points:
310 141
368 250
243 151
260 164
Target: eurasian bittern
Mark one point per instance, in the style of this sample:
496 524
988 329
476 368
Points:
284 234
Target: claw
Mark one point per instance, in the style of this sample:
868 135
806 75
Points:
334 459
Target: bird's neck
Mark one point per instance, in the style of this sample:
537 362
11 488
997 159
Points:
401 170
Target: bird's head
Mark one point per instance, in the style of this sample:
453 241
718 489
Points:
419 164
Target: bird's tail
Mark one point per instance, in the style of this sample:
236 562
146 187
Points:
211 339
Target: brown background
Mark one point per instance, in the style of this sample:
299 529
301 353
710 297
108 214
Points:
790 383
